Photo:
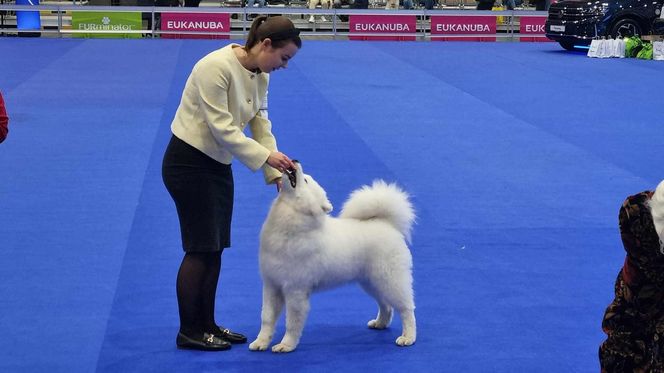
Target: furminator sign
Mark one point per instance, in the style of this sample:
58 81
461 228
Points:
116 22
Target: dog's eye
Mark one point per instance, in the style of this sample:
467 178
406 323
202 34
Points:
305 181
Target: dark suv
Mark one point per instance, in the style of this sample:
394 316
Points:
576 22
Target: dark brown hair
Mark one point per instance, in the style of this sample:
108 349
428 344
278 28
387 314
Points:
279 29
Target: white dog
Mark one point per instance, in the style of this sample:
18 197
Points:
303 250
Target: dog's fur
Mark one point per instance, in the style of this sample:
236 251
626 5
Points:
303 250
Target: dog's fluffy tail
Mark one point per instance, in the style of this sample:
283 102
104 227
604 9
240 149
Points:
381 201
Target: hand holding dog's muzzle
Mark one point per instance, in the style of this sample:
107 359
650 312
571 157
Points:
279 161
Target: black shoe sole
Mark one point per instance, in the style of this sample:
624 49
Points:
202 348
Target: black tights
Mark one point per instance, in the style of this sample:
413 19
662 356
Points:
196 290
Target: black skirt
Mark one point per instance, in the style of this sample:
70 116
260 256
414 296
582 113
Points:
202 189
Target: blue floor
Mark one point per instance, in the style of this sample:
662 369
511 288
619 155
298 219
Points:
518 156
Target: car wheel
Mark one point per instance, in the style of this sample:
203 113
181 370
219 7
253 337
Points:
626 27
567 45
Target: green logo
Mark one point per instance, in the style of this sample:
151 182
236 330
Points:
114 22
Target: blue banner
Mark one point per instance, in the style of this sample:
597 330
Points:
28 20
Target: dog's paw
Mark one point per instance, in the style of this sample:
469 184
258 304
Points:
374 324
405 341
282 348
258 345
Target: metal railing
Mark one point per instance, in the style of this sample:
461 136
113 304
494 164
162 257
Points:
334 29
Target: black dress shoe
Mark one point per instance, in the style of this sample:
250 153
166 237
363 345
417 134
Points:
230 336
209 342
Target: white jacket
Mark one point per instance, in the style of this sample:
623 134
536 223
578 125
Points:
219 99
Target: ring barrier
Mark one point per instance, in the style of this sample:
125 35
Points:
234 23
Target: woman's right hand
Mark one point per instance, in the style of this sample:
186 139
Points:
280 161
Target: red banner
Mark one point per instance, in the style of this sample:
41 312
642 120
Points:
210 22
532 25
382 24
441 26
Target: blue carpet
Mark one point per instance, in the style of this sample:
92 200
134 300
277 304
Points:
518 157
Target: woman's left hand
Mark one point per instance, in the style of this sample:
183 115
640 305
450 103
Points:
280 161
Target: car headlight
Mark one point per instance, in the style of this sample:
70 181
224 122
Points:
601 9
598 10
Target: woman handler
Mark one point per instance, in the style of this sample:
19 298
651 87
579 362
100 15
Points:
224 93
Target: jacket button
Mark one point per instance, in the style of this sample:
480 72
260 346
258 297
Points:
252 76
248 100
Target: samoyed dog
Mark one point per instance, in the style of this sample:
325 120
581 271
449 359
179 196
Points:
304 250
